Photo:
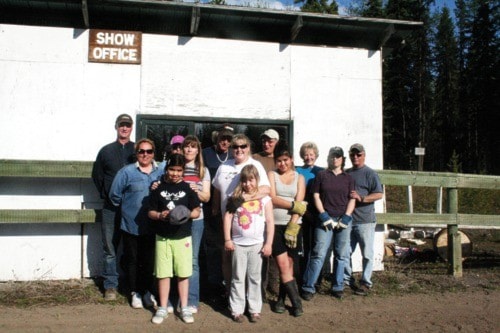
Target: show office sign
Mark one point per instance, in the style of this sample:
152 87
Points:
112 46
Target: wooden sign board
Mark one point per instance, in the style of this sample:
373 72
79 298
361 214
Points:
112 46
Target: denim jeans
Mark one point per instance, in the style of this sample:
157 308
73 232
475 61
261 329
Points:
322 240
110 235
364 235
194 279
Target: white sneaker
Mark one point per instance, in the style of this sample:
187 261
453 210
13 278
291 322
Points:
170 309
187 316
148 300
159 316
136 301
192 308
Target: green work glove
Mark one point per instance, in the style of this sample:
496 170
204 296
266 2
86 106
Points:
291 232
299 207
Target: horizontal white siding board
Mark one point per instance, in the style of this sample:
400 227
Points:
338 101
43 44
42 252
212 77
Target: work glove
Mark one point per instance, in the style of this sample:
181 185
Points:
299 207
291 232
326 221
344 222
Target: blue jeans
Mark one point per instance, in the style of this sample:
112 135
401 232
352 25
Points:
194 279
110 235
322 240
364 235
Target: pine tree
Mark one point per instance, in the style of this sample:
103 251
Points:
319 6
445 119
464 15
372 8
407 89
366 8
482 69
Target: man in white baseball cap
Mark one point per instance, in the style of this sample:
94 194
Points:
269 138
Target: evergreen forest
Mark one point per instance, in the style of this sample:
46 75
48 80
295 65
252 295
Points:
441 89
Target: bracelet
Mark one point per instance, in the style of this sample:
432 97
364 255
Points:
159 216
228 240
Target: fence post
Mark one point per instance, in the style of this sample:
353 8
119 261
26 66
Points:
454 239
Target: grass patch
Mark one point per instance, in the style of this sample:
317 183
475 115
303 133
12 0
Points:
49 293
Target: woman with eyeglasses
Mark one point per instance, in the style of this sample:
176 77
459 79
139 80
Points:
225 181
175 146
129 190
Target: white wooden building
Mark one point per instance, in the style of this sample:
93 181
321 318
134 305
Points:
314 77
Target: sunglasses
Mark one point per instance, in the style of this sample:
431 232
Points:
226 138
245 146
145 151
356 154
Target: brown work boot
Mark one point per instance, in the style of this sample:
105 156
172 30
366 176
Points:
110 294
362 290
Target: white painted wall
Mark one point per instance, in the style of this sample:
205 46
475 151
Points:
54 105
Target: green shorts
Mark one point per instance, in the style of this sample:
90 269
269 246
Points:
173 257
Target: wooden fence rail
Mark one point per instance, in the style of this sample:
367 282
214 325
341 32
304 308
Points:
451 182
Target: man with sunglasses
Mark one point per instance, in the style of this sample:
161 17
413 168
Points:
111 158
368 190
213 157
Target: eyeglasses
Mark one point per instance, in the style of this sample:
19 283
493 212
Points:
226 138
145 151
245 146
356 154
128 125
176 146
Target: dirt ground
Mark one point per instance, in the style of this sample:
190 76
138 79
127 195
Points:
412 294
471 311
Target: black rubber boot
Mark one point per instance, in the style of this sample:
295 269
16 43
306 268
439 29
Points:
293 292
279 307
